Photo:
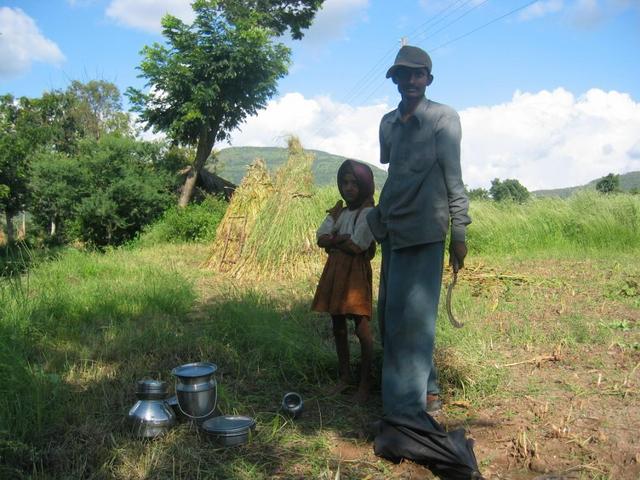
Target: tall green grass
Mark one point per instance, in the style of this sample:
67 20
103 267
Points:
587 221
80 308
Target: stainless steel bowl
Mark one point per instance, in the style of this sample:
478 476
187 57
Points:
229 430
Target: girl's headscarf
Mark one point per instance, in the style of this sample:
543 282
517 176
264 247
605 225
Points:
364 179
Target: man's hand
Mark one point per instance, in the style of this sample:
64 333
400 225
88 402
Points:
335 210
457 253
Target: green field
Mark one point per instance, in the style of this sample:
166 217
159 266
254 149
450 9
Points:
550 297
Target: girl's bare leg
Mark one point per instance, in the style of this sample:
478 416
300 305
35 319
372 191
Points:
341 336
363 331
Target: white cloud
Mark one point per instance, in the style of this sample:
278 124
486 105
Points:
22 43
540 9
551 139
320 123
146 14
547 139
330 23
334 19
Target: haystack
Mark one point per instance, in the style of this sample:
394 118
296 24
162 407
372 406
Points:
280 239
240 217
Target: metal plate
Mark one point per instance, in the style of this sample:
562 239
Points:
197 369
228 425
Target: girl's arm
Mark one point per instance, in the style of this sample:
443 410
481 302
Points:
344 243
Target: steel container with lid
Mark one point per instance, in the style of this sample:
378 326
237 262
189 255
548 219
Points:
229 430
196 389
151 416
292 404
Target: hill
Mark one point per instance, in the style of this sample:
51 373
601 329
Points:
628 181
235 160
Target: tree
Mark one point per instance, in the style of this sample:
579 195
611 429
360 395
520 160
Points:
478 194
22 131
214 73
509 189
98 108
609 184
124 191
58 184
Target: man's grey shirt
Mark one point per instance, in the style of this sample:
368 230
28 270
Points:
424 189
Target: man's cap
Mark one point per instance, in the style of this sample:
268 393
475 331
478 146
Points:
412 57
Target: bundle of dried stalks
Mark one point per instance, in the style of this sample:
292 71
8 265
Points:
240 217
280 239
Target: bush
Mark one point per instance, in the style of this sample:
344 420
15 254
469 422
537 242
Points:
194 223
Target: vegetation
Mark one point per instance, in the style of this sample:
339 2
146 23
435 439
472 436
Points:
609 184
212 74
584 222
194 223
70 163
629 182
508 190
77 332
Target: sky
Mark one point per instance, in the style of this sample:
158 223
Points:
548 91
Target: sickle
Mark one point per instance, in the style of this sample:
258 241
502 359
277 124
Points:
452 319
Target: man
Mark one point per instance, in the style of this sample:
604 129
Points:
422 196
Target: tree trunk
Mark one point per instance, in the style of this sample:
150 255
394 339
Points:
52 231
205 144
9 218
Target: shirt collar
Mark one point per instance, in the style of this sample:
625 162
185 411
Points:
419 114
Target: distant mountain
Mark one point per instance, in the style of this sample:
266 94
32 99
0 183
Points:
628 181
235 160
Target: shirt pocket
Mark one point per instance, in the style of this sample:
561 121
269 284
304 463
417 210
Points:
422 157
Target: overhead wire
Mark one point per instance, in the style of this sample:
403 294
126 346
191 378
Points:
374 71
375 68
511 12
367 80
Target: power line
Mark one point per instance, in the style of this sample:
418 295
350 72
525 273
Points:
372 74
456 19
485 25
465 35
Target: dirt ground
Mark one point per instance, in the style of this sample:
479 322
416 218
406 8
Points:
574 428
564 410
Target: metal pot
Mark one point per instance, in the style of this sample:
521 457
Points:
151 416
196 389
229 430
292 404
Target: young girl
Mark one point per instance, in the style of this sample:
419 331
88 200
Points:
344 289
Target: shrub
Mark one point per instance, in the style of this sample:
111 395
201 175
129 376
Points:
194 223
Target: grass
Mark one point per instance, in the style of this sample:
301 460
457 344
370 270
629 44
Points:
78 330
587 222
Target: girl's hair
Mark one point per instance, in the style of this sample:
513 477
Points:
364 179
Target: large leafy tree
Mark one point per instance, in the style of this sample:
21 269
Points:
509 189
212 74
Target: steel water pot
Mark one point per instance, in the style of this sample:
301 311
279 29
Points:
196 389
151 416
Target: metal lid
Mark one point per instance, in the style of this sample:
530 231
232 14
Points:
228 424
197 369
151 386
